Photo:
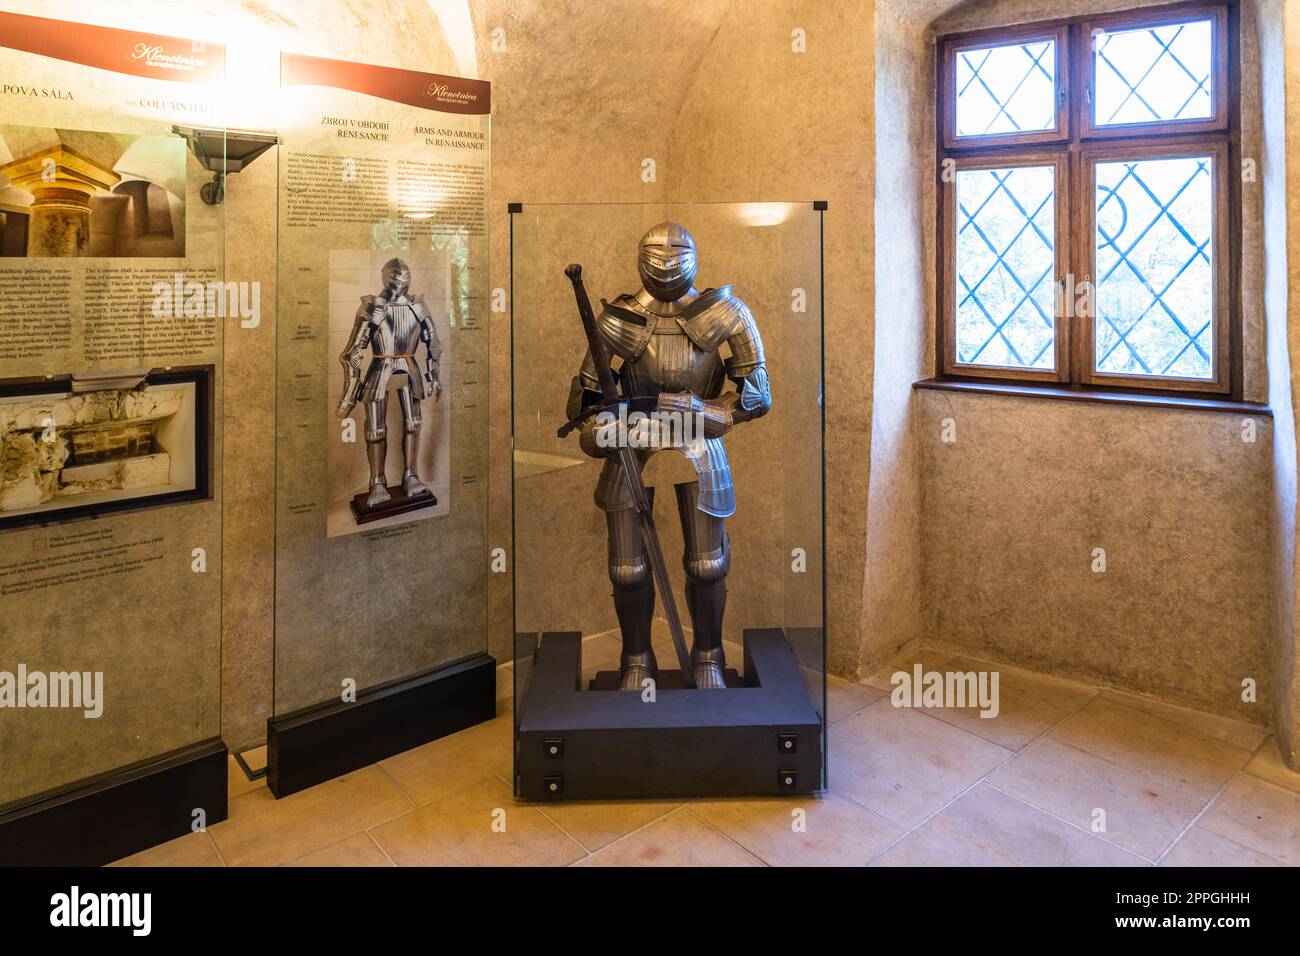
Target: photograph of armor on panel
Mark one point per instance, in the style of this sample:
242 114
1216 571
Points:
391 344
111 384
668 442
382 379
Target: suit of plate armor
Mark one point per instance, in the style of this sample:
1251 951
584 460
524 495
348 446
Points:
392 325
668 337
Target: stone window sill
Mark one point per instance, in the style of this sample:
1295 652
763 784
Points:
1099 396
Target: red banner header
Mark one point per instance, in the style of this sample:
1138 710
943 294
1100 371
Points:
121 51
431 91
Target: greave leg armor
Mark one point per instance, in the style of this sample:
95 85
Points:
377 449
634 597
411 483
706 561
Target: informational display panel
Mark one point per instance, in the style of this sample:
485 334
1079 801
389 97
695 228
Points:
381 499
112 306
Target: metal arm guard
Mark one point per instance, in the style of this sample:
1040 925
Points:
747 368
350 359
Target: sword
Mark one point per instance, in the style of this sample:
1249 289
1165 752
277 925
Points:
627 460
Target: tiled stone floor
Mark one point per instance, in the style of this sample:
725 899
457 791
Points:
908 788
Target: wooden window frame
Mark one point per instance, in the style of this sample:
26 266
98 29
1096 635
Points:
1085 330
1074 151
1216 13
989 38
1061 227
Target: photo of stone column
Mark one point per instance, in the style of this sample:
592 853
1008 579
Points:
73 193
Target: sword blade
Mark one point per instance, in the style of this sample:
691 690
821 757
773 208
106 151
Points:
658 568
631 474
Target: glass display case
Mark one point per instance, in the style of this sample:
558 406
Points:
112 321
381 417
668 499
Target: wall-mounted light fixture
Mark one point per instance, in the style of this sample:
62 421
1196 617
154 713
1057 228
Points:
223 151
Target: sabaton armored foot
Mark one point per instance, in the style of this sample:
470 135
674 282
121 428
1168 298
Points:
636 669
413 486
708 675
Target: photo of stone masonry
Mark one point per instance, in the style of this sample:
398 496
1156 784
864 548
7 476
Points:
67 449
75 193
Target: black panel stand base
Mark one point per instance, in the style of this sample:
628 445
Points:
115 814
761 737
398 503
318 743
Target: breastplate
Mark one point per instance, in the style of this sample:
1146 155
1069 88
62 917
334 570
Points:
398 333
671 362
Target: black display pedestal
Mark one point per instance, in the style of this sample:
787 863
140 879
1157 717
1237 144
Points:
115 814
320 742
761 737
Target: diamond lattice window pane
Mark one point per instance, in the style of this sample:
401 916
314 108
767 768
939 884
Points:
1154 74
1005 260
1006 89
1155 281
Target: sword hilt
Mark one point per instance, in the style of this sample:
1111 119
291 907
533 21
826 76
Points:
595 344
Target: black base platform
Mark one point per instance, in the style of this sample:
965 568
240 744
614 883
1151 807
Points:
318 743
667 680
115 814
397 504
762 737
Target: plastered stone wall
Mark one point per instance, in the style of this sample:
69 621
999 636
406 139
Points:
1280 48
763 122
893 599
574 115
1009 512
1017 505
